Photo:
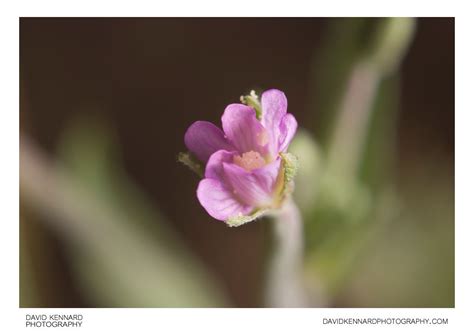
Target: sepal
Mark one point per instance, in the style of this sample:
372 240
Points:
186 158
242 219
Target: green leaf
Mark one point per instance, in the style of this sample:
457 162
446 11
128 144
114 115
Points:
394 36
310 172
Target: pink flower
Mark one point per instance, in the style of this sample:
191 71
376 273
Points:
243 171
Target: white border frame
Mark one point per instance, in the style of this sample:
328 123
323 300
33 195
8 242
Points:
236 320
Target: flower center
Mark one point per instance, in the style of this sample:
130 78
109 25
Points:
249 160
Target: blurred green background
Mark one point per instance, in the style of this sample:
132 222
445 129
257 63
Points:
109 218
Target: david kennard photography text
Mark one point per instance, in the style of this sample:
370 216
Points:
54 320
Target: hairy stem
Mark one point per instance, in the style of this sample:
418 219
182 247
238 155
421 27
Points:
285 286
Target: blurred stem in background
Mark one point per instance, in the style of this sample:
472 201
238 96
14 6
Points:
121 251
336 194
340 187
350 132
346 146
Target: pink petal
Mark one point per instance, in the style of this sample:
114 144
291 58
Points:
244 130
253 188
268 175
204 138
219 202
214 168
288 128
274 106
